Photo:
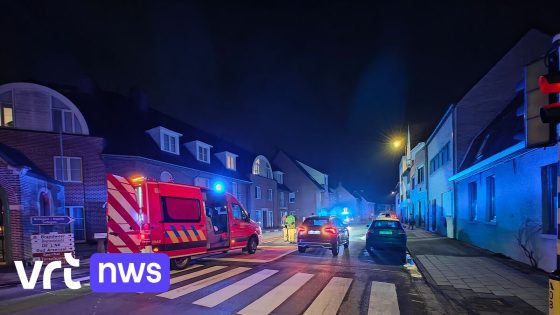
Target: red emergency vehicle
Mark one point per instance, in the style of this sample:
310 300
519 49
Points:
178 220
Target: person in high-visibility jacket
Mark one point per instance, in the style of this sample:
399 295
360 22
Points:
291 228
284 228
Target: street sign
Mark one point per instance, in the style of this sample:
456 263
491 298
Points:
52 246
51 220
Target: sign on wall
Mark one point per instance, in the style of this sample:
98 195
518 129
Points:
52 246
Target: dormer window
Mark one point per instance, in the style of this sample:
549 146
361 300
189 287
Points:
230 161
261 167
169 142
200 150
279 177
203 153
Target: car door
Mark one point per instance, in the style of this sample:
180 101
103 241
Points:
240 224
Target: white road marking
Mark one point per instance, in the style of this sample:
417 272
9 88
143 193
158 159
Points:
234 289
271 300
172 272
196 274
329 300
383 299
189 288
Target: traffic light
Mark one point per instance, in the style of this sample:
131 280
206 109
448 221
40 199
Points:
550 84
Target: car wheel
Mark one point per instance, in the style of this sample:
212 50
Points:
252 245
301 249
335 249
180 263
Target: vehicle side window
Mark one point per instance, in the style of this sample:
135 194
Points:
181 209
237 211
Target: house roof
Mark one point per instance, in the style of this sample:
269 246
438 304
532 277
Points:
301 165
17 159
505 131
123 122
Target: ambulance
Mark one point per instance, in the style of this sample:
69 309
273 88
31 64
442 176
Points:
147 216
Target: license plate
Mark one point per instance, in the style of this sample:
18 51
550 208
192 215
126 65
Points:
386 232
314 232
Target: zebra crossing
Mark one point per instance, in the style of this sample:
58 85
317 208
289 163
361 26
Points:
382 295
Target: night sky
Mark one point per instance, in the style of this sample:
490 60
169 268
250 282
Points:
327 81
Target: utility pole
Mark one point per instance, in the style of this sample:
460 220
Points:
550 113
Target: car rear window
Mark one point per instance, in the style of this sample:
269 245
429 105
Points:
387 224
316 222
181 209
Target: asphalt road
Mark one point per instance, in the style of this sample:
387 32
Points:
314 282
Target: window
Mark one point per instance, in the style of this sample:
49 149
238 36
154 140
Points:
420 174
230 162
78 226
269 195
203 153
292 197
234 189
549 200
257 192
282 199
261 167
387 224
236 211
279 177
65 121
6 110
202 182
180 209
472 201
68 169
490 199
169 143
440 159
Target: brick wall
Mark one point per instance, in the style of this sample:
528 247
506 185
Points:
42 147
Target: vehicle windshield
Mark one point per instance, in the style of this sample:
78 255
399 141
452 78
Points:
387 224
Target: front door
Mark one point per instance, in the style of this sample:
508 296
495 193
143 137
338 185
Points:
270 219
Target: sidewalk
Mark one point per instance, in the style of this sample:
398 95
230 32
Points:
475 279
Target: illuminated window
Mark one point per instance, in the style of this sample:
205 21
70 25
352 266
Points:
68 169
6 110
261 167
230 161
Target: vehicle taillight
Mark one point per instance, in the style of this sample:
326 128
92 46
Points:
331 230
301 229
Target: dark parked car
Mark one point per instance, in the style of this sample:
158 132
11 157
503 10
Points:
385 233
322 231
